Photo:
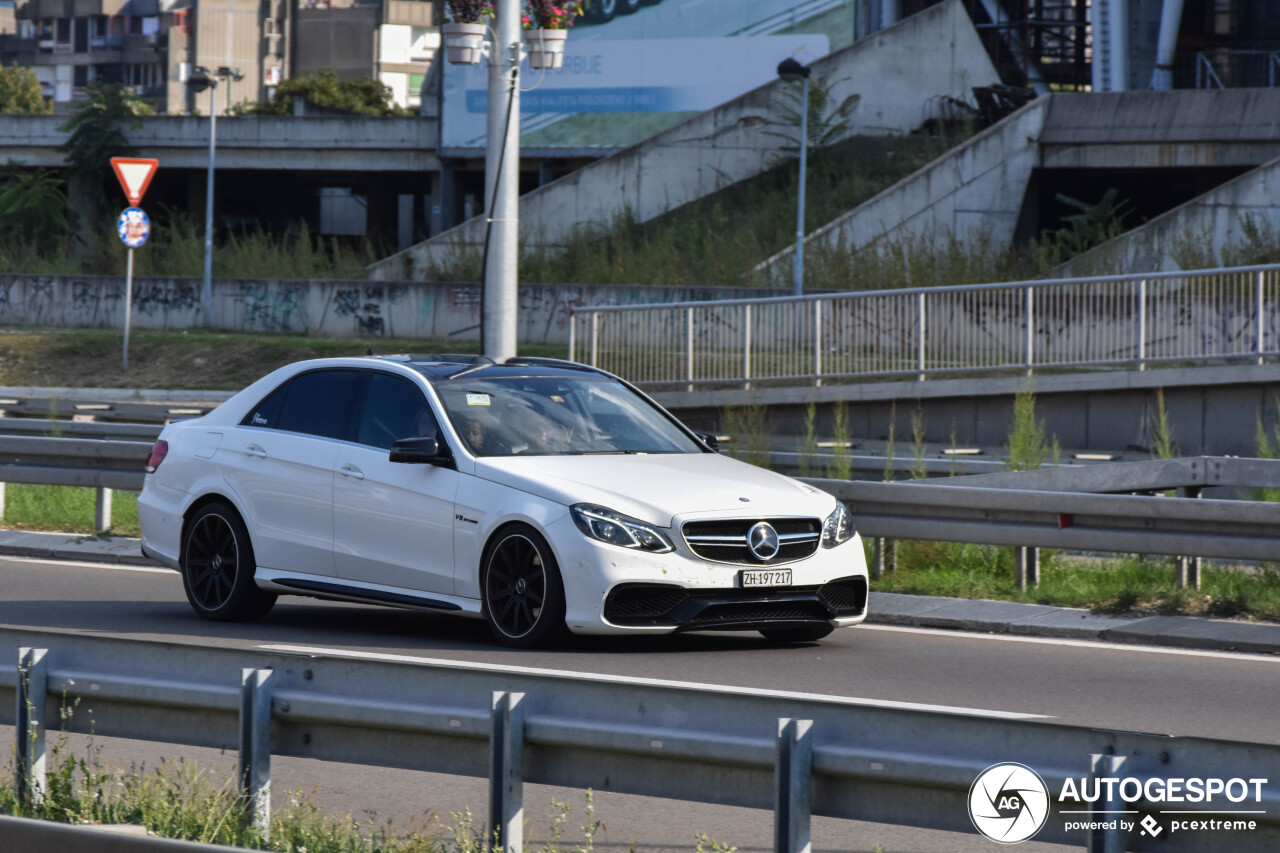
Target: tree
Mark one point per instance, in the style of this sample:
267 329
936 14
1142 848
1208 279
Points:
97 134
362 95
33 205
20 92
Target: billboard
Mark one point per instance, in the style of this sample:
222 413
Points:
638 74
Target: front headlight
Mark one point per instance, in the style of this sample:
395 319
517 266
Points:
605 525
838 527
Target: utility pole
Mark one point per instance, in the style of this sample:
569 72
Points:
502 187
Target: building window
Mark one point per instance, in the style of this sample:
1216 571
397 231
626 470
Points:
80 76
62 32
271 27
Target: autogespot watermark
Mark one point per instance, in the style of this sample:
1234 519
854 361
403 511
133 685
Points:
1009 803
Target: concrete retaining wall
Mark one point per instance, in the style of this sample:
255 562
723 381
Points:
970 193
1211 410
898 74
1202 233
329 308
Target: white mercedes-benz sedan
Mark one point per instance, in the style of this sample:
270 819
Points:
537 494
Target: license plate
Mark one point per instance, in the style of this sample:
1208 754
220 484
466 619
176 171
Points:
766 577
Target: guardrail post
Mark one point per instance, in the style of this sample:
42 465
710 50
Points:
102 510
573 336
1103 810
255 745
29 764
506 773
793 786
1031 329
884 556
2 498
1189 567
1028 562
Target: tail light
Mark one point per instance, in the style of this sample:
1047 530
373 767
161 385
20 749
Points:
158 452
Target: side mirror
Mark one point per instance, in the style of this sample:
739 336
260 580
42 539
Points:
417 451
710 440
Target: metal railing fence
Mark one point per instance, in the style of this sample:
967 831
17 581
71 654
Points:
799 754
1130 320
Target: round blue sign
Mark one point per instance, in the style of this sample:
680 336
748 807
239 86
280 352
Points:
133 227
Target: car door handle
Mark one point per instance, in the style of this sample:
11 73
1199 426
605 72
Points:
351 471
255 450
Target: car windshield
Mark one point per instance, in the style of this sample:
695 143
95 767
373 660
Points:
558 415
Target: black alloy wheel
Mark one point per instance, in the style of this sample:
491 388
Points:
806 634
218 567
523 594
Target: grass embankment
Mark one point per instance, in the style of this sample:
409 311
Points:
1127 585
184 801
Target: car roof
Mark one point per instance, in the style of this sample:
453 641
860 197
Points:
443 367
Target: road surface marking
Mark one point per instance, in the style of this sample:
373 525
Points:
1084 644
72 564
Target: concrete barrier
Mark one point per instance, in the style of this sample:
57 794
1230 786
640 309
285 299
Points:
325 308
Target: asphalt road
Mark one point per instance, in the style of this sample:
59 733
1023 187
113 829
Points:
1132 688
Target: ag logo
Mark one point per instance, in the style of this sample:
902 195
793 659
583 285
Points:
1008 803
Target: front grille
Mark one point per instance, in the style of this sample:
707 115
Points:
725 540
760 612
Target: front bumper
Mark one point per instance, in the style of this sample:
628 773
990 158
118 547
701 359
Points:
842 601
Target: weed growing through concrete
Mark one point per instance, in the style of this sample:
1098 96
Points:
748 428
841 466
809 441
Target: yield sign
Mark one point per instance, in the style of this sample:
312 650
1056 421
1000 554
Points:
134 175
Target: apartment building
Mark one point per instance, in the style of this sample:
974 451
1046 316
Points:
153 45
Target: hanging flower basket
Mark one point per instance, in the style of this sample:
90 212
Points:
546 47
463 43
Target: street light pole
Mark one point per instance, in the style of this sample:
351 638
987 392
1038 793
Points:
790 70
502 187
206 287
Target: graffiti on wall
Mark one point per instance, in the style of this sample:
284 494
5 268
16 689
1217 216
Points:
270 307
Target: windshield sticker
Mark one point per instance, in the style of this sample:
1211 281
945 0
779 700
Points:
557 398
477 399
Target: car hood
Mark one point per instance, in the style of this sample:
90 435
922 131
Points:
655 488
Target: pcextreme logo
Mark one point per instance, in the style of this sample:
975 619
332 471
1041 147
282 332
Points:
1009 803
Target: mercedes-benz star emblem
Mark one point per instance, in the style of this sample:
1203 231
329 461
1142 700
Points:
762 539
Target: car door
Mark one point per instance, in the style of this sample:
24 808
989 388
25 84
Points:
393 521
280 461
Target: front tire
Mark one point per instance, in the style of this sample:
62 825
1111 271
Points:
523 594
807 634
218 567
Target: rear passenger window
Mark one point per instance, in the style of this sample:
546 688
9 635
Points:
394 409
265 413
320 403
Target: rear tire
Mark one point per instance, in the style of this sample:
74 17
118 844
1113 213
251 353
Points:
523 594
218 567
807 634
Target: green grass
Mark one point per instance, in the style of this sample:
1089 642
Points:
183 800
67 509
1107 586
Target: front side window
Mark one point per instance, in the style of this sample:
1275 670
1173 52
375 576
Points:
557 416
394 409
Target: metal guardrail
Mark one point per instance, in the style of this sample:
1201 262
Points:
799 754
89 462
1234 530
1131 320
116 411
